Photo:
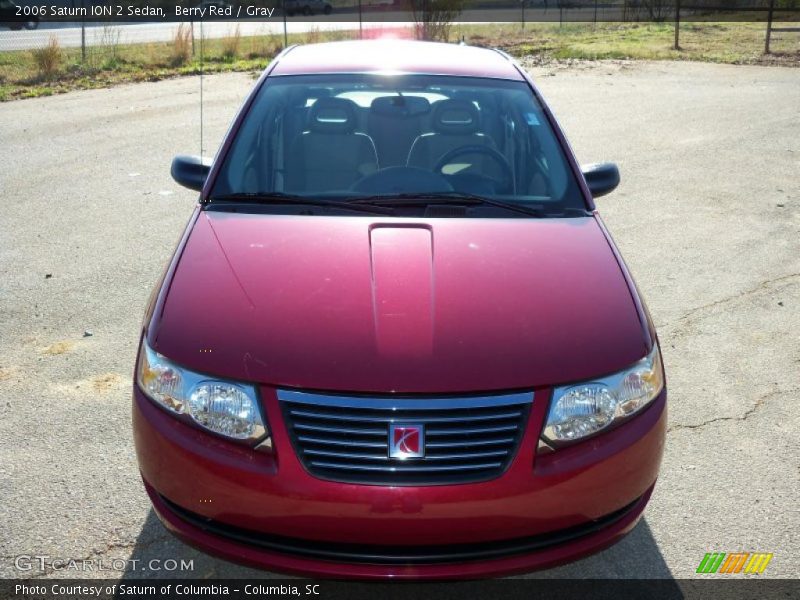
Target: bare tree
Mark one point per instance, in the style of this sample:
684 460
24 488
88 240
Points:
434 18
659 10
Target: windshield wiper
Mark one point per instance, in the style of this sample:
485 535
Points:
283 198
425 199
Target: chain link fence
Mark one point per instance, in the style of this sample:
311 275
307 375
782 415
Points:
55 56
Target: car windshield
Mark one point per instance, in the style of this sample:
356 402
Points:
366 137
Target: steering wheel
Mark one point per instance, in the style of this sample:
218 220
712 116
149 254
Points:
507 182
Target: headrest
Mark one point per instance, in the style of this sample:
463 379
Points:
299 96
400 107
455 117
332 115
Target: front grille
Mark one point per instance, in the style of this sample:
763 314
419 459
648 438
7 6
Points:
346 439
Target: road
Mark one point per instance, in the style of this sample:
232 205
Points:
140 33
707 216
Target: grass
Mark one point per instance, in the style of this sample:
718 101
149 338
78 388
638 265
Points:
182 45
231 45
731 43
22 75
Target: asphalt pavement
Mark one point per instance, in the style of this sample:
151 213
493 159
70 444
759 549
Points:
707 217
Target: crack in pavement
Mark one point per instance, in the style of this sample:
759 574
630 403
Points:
99 552
748 413
761 286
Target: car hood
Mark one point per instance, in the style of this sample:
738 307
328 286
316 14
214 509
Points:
387 305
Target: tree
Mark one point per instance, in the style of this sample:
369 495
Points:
434 18
659 10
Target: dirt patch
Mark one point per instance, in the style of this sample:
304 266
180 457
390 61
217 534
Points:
105 382
551 66
7 373
58 348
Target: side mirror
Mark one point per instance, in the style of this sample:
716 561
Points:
602 178
190 171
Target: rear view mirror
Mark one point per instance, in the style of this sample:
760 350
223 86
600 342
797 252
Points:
190 171
602 178
400 106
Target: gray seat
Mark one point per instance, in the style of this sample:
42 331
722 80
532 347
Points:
394 122
455 123
330 155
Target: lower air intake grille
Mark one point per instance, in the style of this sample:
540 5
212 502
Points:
376 440
401 555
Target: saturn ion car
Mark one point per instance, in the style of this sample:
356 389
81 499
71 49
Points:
395 339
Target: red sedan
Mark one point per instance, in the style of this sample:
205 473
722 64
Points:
395 339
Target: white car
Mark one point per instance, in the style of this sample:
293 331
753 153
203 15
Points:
9 17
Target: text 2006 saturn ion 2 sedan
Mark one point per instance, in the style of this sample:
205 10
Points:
395 339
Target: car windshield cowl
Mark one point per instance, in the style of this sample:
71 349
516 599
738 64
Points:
283 198
385 204
457 198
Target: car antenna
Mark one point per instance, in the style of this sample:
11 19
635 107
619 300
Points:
202 38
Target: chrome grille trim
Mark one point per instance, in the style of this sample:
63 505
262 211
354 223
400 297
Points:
493 442
346 438
341 430
469 431
403 469
324 441
372 419
386 458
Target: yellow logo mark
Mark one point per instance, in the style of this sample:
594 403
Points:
737 562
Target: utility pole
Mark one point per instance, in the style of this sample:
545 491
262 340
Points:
83 31
285 32
769 25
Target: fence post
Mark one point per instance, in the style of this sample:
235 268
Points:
677 24
769 25
425 17
285 29
83 31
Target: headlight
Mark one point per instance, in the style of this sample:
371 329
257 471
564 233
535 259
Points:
581 410
224 407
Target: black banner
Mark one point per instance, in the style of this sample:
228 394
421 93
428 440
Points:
508 589
397 11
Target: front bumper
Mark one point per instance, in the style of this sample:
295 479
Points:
265 510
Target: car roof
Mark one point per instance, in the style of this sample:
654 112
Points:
396 56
